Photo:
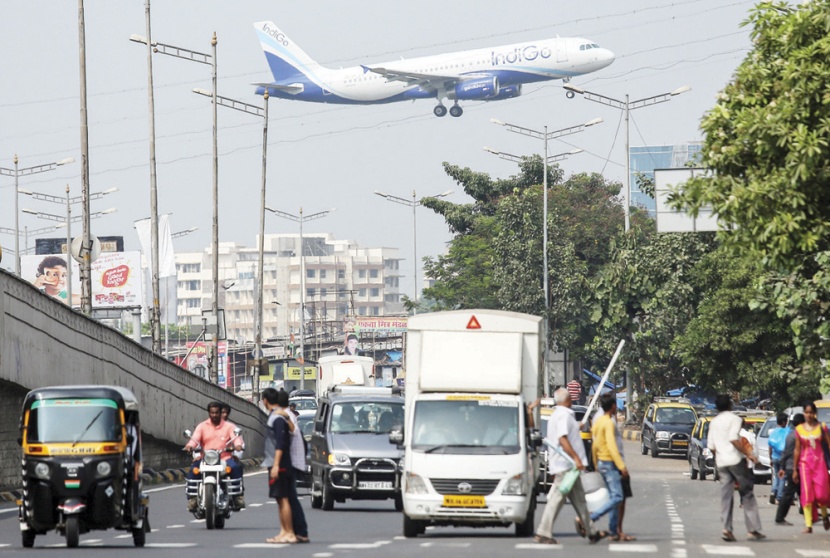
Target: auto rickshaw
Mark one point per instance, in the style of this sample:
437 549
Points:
81 463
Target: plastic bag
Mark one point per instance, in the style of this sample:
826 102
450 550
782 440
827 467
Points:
568 479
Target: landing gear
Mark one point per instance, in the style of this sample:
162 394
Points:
456 111
440 110
570 94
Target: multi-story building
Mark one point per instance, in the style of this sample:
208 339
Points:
341 280
643 160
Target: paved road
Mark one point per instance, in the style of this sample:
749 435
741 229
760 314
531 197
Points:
671 515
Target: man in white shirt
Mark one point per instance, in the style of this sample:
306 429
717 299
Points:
563 432
731 458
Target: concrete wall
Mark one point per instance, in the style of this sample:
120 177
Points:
44 343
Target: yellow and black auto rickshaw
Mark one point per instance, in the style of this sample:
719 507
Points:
81 463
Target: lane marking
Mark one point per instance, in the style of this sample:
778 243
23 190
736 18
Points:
260 545
537 546
813 553
170 545
446 544
254 505
678 553
678 541
323 554
175 526
632 547
727 550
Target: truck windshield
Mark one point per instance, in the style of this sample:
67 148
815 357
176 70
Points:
466 426
73 420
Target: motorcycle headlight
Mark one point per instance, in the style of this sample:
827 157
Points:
212 457
515 486
339 460
42 471
662 435
415 484
103 469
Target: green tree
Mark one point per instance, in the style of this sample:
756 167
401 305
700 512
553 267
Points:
766 142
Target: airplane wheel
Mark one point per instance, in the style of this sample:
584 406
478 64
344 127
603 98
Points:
570 94
439 111
456 111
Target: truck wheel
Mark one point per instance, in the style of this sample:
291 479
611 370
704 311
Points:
28 538
411 527
72 531
398 503
525 528
328 497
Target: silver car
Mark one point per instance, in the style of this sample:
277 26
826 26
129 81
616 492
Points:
762 470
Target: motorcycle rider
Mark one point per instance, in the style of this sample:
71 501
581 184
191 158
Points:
215 434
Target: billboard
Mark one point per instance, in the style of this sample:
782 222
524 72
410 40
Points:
116 278
672 220
378 325
198 356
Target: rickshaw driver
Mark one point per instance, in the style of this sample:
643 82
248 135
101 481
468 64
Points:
215 434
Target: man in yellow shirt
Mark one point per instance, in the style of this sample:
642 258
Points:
608 461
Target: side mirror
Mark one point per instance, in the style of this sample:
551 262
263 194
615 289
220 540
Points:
20 442
396 437
536 438
188 433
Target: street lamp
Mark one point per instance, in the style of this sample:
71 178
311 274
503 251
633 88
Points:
545 136
17 172
301 219
209 59
69 201
27 233
626 106
413 203
262 113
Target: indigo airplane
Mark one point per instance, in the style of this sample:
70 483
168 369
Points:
487 74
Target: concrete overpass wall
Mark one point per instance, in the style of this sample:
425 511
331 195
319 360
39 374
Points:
44 343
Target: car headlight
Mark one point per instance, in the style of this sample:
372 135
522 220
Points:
339 460
514 486
662 435
415 484
103 469
707 452
42 471
212 457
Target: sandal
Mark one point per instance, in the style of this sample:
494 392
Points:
622 537
302 539
728 536
541 539
807 530
826 523
580 528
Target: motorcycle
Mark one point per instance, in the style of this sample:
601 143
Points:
213 488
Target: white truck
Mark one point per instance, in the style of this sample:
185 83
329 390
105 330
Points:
344 370
470 457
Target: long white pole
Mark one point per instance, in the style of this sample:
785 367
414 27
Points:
545 278
214 369
587 416
155 312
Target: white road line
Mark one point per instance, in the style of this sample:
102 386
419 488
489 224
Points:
813 553
537 546
323 555
170 545
446 544
632 547
175 526
260 545
358 546
678 541
4 545
91 541
678 553
124 536
722 550
197 520
399 538
254 505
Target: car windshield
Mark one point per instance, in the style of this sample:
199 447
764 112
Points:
304 404
376 417
767 428
73 420
462 426
675 415
824 414
306 424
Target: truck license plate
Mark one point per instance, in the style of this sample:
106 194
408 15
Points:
458 501
375 485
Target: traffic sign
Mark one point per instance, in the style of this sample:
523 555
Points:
75 248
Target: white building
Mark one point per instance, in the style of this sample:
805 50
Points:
341 280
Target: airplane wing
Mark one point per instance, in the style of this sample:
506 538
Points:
287 88
430 81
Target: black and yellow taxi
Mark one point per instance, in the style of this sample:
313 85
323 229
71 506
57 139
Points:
667 426
700 457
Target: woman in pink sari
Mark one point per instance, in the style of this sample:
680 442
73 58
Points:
810 466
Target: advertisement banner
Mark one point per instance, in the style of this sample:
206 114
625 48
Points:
293 373
116 278
377 324
197 360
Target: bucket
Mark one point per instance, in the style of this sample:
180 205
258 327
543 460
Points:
596 499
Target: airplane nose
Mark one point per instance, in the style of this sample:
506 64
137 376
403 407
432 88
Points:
606 57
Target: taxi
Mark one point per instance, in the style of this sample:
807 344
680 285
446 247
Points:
700 457
667 426
762 472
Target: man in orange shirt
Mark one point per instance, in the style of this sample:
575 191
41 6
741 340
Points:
214 434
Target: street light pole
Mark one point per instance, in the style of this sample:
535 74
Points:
545 136
626 106
301 219
210 59
263 113
17 172
414 203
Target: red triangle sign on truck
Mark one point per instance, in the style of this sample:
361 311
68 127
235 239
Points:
473 323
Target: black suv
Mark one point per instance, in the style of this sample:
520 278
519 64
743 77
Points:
667 426
351 457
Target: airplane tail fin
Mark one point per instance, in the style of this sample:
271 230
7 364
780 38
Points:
285 58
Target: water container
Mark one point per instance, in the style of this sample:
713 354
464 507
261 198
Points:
597 499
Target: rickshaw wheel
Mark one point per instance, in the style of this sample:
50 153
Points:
28 537
72 531
139 536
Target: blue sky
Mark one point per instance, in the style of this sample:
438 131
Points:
323 156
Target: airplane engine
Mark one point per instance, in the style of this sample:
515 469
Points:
477 89
507 92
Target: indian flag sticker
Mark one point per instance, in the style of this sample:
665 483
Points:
72 483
